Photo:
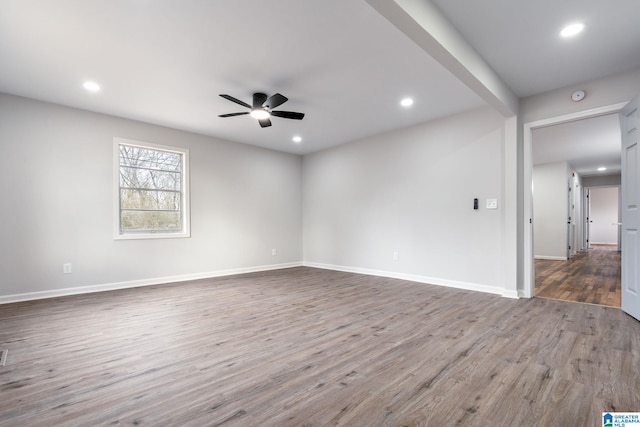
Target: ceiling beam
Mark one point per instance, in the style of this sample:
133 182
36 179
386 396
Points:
425 24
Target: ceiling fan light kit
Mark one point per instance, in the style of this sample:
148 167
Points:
262 108
260 114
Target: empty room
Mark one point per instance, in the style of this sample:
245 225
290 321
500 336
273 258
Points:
296 213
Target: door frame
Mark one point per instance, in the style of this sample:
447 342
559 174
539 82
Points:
527 188
585 218
571 216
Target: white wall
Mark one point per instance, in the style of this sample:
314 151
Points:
602 180
411 192
603 214
602 92
548 108
550 201
56 178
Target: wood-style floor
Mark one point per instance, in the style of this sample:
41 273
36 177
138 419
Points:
309 347
592 276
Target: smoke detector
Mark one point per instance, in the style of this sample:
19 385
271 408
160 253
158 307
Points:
578 96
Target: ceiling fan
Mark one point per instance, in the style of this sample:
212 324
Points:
263 107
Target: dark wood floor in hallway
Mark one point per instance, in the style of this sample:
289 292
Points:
309 347
592 276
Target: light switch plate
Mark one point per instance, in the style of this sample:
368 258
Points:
492 203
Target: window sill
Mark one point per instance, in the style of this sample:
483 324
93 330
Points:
144 236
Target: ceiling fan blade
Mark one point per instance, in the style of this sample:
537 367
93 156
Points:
233 114
275 100
288 114
237 101
258 100
264 123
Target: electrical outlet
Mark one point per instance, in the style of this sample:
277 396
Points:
66 268
274 252
492 203
396 256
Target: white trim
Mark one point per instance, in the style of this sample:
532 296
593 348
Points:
551 258
527 194
415 278
510 293
186 207
30 296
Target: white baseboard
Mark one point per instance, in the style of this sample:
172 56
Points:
552 258
420 279
513 294
29 296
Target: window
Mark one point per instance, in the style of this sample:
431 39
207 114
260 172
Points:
151 190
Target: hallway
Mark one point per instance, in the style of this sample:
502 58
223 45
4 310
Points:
592 277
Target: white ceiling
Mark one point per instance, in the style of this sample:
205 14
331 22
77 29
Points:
340 62
585 144
166 61
519 39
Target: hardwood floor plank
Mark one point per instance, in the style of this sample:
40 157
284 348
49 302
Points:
592 276
309 347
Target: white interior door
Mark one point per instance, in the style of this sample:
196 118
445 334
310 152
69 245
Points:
604 216
630 126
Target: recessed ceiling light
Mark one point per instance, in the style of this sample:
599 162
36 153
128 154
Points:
91 86
406 102
297 139
572 29
260 114
602 168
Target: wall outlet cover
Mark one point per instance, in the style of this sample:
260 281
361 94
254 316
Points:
492 203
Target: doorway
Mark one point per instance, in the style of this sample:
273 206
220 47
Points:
590 272
602 222
581 262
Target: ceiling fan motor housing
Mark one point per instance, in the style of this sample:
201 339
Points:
262 108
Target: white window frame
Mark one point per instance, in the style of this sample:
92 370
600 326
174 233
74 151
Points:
186 223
